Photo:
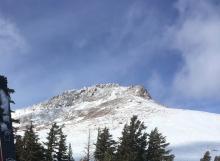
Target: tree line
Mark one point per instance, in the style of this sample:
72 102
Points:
29 148
207 157
134 145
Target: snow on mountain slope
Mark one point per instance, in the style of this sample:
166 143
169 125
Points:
190 133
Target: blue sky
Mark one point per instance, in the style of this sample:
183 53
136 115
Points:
171 47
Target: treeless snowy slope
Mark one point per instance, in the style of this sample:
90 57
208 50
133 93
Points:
190 133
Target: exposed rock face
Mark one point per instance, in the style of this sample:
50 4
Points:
88 102
94 93
140 91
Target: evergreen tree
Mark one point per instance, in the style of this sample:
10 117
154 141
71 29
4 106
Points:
217 158
7 144
105 146
33 150
157 147
206 157
84 159
109 156
19 148
133 142
62 148
1 113
70 154
52 144
88 149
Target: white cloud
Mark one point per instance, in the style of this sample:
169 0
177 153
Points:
11 41
197 37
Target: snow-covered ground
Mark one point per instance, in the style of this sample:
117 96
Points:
190 133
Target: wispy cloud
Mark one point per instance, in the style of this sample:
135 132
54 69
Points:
13 46
11 41
197 37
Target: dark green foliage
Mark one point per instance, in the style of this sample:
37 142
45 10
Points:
217 158
15 120
157 147
132 146
1 114
11 101
109 156
52 144
19 148
56 148
62 154
84 159
4 85
70 153
7 141
105 146
206 157
10 91
29 149
32 149
133 142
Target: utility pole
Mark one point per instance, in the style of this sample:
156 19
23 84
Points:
7 146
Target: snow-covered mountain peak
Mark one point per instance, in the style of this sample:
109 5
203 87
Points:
112 105
104 92
94 101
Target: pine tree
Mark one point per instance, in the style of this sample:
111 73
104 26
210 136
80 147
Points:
157 147
109 156
70 154
84 159
217 158
105 146
88 149
33 150
1 113
133 142
62 148
206 157
52 144
19 148
7 144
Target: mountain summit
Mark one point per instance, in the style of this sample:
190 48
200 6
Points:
112 105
